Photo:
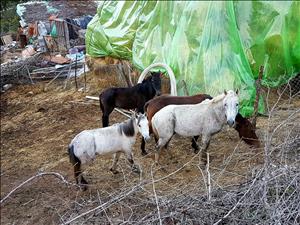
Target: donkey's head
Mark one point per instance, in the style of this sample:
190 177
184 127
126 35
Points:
142 124
231 105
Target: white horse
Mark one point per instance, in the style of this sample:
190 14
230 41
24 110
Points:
206 118
114 139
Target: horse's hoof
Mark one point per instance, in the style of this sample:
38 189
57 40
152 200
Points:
144 153
163 169
175 161
135 169
83 187
203 164
195 147
114 171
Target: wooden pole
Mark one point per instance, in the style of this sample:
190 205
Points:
122 111
76 73
84 77
258 90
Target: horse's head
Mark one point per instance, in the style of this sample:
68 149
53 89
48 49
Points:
142 124
156 82
231 105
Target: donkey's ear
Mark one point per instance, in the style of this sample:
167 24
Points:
237 91
225 92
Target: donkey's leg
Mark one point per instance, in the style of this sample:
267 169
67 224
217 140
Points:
195 145
129 157
113 169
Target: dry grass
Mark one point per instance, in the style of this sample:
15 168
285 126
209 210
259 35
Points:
247 186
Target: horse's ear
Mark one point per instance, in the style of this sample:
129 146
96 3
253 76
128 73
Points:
136 113
237 91
133 113
225 92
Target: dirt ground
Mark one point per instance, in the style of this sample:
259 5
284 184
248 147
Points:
37 126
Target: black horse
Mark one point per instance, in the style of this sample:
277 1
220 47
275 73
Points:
129 98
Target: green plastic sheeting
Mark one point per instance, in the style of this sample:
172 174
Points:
211 46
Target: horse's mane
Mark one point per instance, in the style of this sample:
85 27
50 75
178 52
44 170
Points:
147 79
221 96
127 127
218 98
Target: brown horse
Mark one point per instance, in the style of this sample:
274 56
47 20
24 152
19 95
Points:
243 125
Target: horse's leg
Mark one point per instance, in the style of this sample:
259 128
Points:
113 169
169 152
76 163
143 144
205 144
195 145
161 143
105 117
77 172
78 176
129 157
143 147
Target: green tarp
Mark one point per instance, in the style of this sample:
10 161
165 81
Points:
211 46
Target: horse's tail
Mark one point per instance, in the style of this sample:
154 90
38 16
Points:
73 158
75 162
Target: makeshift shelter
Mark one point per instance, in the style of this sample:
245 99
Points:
211 46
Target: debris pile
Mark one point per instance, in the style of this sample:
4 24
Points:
44 49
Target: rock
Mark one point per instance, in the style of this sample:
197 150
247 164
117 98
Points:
7 86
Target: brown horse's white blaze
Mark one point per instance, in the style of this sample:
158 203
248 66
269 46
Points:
115 139
206 118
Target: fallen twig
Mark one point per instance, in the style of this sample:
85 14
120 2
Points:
34 177
155 195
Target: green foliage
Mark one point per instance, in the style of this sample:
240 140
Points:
9 19
6 4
